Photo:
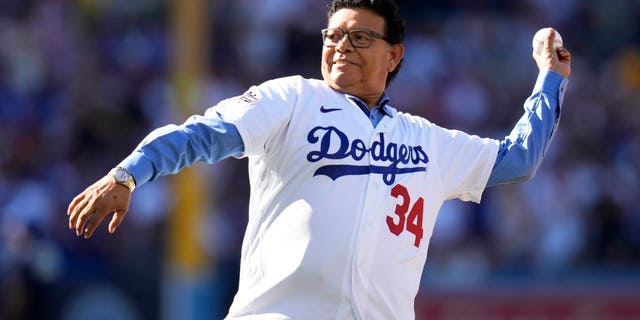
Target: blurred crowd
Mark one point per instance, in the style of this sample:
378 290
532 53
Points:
83 81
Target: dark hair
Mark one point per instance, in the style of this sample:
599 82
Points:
387 9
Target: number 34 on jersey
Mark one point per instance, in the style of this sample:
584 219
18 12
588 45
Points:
408 214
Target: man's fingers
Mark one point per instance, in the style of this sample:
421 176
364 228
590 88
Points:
75 212
551 37
83 217
564 54
117 218
94 222
74 203
549 51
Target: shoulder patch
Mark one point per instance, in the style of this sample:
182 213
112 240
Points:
250 97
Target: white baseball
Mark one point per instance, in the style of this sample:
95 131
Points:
538 40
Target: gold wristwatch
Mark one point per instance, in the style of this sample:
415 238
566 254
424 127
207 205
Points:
123 177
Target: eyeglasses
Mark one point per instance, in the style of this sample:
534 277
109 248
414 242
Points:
359 38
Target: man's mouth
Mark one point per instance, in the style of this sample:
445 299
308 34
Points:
340 63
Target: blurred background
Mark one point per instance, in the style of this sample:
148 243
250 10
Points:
83 81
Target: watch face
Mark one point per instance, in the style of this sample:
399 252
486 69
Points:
121 175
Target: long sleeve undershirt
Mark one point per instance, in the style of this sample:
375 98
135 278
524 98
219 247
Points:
168 149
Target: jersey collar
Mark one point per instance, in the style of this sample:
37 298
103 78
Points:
382 106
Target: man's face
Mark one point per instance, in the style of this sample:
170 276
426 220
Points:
359 71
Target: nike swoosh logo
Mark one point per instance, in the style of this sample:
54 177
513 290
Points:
324 109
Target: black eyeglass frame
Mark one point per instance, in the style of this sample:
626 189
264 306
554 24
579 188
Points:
348 34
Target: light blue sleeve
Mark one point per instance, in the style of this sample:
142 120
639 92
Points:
168 149
522 151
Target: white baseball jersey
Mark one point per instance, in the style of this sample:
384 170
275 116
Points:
341 212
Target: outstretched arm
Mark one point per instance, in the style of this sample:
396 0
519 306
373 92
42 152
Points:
164 151
168 149
522 151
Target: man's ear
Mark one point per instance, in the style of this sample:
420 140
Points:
397 52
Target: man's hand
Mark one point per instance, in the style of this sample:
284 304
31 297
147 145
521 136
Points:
558 60
89 208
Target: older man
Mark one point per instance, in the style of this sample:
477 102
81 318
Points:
345 189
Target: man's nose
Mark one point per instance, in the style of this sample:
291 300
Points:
344 44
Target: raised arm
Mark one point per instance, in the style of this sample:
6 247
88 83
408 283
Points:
522 151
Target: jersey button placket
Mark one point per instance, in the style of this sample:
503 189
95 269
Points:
367 230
